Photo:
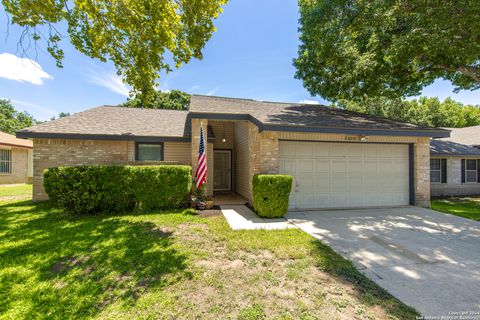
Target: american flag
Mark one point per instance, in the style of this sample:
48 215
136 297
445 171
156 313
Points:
201 174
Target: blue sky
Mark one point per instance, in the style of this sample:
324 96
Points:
249 56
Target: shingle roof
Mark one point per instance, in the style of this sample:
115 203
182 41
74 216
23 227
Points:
118 122
442 147
300 115
11 141
108 122
469 135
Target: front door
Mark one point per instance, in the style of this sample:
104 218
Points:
222 170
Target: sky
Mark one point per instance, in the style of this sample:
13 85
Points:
249 56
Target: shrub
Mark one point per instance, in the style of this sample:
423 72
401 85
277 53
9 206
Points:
161 187
270 194
93 189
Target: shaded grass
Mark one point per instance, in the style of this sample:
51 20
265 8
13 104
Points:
22 190
173 265
462 207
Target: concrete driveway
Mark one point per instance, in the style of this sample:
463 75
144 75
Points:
428 260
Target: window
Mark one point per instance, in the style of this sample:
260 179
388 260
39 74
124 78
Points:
471 170
5 161
438 170
149 152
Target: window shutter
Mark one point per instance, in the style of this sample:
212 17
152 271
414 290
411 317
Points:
463 170
444 170
478 171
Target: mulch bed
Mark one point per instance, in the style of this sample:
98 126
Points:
214 212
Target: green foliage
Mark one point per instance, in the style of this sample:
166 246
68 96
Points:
161 187
424 111
90 189
463 207
135 35
174 100
94 189
61 115
356 49
11 120
255 312
270 194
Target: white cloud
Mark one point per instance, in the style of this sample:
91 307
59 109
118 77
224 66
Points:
21 69
306 101
39 112
195 87
109 80
212 92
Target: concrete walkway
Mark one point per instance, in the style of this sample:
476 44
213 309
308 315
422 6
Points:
240 217
428 260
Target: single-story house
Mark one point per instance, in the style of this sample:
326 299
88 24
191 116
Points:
338 159
16 164
455 166
469 136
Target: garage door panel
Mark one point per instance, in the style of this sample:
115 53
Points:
305 166
287 148
287 166
332 175
304 149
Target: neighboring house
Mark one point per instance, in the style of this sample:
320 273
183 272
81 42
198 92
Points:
455 167
337 158
469 136
15 159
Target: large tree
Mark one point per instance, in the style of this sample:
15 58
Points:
174 100
136 35
351 49
423 111
12 120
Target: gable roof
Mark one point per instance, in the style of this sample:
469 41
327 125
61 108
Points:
469 135
122 123
279 116
450 148
11 141
116 123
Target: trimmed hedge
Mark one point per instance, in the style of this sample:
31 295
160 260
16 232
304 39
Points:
93 189
270 194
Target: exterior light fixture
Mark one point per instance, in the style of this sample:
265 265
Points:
364 139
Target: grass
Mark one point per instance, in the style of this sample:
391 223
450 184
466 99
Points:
462 207
173 265
15 191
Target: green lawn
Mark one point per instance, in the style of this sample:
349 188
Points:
175 265
462 207
15 191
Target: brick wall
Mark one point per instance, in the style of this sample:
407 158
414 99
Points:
454 185
49 153
19 167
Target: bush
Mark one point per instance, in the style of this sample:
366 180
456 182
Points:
161 187
93 189
270 194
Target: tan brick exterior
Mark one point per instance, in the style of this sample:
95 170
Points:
422 172
261 149
49 153
61 152
20 165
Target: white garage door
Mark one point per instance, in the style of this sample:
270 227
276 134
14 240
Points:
343 175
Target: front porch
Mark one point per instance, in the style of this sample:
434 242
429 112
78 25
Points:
228 198
228 159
